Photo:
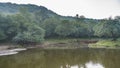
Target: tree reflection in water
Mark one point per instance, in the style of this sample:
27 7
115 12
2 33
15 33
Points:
73 58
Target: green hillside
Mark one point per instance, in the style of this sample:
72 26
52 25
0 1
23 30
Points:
27 23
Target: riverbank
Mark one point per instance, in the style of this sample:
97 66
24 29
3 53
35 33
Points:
67 43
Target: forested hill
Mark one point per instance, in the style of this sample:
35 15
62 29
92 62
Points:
14 8
25 23
11 8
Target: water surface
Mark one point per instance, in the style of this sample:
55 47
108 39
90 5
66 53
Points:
69 58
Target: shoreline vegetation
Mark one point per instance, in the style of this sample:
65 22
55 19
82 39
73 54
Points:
66 43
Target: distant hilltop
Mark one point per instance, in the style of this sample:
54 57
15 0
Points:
11 8
14 8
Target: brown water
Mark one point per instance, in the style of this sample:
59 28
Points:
71 58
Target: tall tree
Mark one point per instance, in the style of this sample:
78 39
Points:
65 28
50 25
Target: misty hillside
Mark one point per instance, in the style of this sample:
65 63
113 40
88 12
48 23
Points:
11 8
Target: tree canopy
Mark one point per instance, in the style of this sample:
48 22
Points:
110 28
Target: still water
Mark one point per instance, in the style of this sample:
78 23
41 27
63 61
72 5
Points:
71 58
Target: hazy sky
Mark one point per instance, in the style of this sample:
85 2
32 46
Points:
89 8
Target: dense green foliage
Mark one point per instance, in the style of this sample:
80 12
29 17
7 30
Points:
50 25
108 28
65 28
31 24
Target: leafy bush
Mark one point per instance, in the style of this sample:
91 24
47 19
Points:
33 35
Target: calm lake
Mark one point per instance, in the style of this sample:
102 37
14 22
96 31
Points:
63 58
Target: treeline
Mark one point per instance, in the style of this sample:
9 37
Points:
25 27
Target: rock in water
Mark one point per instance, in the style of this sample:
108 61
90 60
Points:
18 49
2 53
12 51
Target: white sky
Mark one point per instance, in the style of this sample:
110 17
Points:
97 9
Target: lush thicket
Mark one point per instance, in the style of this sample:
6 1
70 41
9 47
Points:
108 28
25 27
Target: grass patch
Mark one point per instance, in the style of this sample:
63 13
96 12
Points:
106 43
